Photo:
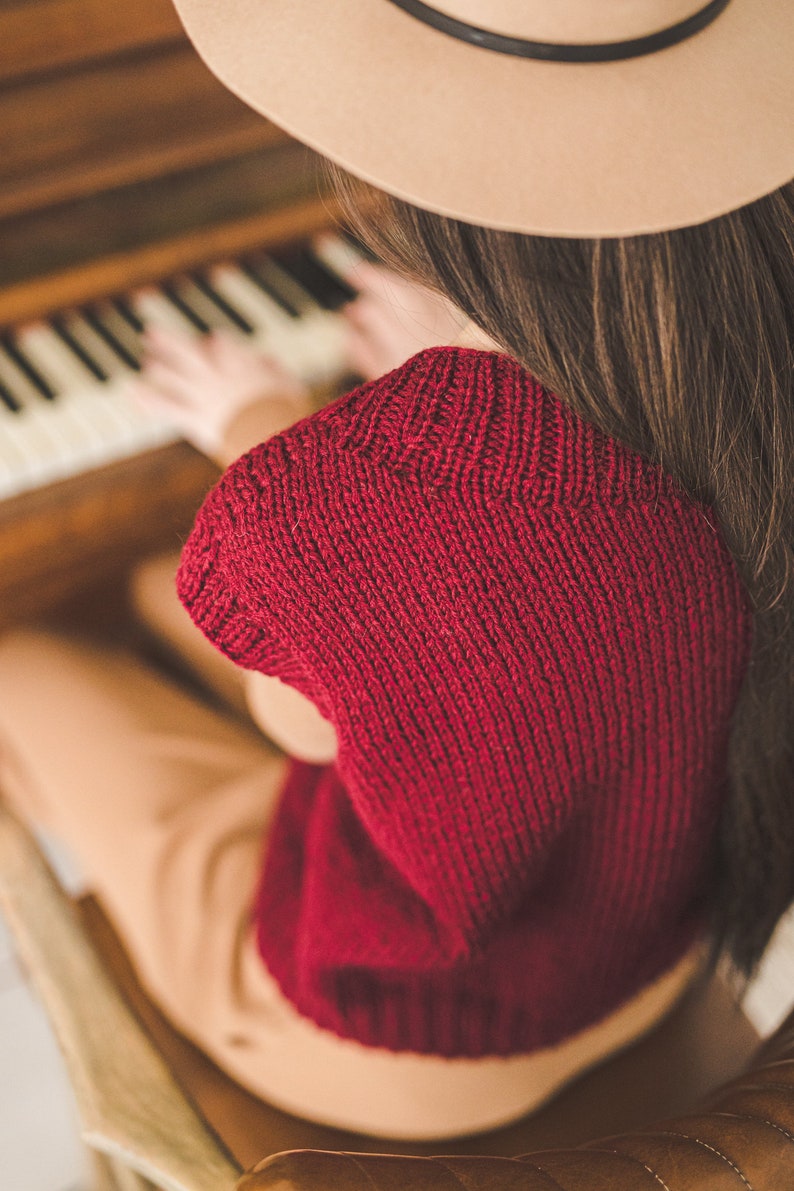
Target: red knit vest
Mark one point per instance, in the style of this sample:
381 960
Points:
530 644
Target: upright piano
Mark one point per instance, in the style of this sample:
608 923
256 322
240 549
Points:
133 189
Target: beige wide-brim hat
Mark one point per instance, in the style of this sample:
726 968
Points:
660 140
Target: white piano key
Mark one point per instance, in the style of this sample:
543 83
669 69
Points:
262 312
274 331
30 367
339 255
17 382
154 310
283 284
44 450
61 366
12 459
96 347
118 326
203 306
81 434
231 311
43 431
90 423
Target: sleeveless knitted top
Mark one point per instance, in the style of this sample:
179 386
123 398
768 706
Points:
530 644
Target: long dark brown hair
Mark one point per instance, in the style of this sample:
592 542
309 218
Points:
680 345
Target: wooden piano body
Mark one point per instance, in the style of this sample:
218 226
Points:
122 161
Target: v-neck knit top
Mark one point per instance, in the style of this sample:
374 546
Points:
530 644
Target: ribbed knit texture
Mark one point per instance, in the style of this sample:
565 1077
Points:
530 644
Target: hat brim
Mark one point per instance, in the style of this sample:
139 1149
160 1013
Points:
667 140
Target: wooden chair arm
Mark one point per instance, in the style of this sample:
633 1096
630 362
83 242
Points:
742 1139
129 1103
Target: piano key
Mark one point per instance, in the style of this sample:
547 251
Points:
52 355
17 381
121 329
211 313
12 459
262 312
64 433
128 315
274 282
94 345
9 400
339 254
82 429
39 382
28 444
329 290
297 343
274 331
116 344
69 422
154 310
174 293
61 328
229 310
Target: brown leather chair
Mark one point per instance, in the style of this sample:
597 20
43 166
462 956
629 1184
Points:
162 1116
741 1138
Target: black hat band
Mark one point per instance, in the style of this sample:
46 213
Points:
549 51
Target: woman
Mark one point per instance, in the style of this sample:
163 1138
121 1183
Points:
536 592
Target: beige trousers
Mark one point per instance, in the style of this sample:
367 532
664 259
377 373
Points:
166 801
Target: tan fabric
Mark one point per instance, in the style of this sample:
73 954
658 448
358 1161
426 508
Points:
661 141
166 804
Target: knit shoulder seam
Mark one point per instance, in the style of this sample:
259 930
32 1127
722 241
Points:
645 485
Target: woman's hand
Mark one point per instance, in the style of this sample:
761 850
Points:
392 319
204 387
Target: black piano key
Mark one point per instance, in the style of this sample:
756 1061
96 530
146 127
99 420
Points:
83 355
105 333
176 299
8 399
128 314
224 306
328 289
266 277
39 382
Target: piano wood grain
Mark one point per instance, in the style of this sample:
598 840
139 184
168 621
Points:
122 162
40 36
118 121
84 533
